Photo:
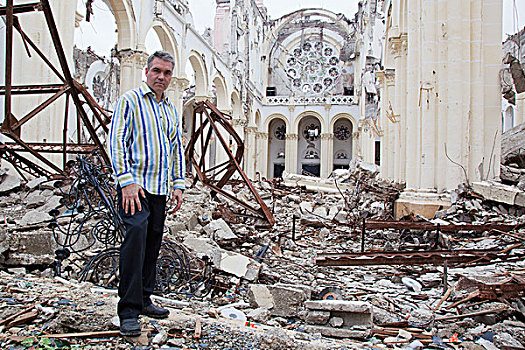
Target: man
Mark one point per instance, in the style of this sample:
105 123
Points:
147 156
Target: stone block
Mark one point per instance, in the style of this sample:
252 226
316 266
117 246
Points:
317 317
260 296
337 332
353 313
288 300
500 193
31 248
423 207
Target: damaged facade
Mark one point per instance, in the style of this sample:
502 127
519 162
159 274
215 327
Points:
379 135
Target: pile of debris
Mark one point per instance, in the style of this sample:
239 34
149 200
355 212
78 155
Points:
269 289
513 157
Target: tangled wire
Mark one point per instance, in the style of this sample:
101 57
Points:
91 221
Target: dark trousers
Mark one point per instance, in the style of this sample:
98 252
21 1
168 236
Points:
138 253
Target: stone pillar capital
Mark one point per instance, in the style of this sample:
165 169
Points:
238 122
291 108
261 135
355 135
292 137
129 56
180 83
203 98
327 136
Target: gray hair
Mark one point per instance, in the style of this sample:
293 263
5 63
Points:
163 55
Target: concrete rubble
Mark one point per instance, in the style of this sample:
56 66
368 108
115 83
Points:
275 295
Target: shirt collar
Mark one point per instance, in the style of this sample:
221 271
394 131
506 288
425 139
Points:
145 90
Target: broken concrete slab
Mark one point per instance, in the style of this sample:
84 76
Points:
34 217
239 265
220 231
501 193
288 299
9 183
229 262
35 200
33 184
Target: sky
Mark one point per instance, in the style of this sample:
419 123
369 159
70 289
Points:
100 32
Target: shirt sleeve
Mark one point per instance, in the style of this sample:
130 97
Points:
178 169
118 137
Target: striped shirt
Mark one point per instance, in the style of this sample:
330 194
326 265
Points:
145 143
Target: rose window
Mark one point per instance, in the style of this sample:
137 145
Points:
280 132
313 67
311 132
342 133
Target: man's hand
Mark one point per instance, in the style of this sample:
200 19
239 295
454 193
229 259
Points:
130 198
176 199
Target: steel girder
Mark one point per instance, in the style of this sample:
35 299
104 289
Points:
16 152
210 120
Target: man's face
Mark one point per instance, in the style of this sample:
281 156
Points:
158 76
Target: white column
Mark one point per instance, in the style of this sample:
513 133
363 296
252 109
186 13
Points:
290 165
427 96
455 95
327 154
519 114
491 65
413 137
132 64
249 152
261 158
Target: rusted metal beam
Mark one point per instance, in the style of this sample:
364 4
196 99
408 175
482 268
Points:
210 119
22 164
11 126
49 147
8 62
428 226
33 89
20 8
436 257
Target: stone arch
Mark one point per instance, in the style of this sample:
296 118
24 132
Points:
338 116
222 95
276 144
126 26
258 119
270 118
309 126
168 42
201 74
342 126
236 105
307 114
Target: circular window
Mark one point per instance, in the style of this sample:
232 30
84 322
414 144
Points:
311 132
313 67
342 133
280 132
